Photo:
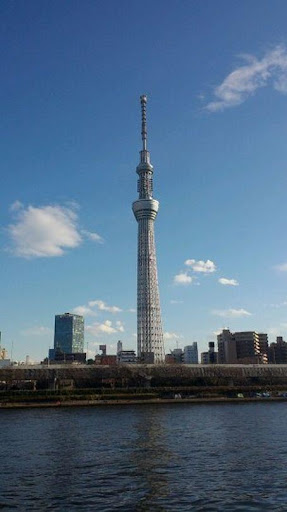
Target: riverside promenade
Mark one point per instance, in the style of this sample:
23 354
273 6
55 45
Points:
89 385
146 376
155 401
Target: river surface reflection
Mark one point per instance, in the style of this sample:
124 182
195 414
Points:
157 458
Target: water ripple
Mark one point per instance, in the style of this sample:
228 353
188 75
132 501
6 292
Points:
222 458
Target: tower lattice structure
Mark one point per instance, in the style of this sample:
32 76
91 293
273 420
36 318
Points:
149 326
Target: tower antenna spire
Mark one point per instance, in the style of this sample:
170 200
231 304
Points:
144 127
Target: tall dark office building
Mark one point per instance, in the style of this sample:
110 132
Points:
69 333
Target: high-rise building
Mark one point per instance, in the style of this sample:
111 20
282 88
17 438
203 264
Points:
190 354
119 346
246 347
149 327
277 352
4 361
263 345
226 347
69 333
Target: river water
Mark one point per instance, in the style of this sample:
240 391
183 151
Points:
157 458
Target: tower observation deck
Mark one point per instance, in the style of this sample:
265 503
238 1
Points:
149 328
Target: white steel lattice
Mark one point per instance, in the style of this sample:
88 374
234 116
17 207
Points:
150 334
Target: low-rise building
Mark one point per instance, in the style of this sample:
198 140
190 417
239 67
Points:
126 356
177 353
170 359
204 358
58 356
108 360
175 356
210 357
190 354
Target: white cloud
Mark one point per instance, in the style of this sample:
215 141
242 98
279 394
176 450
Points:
277 306
254 74
231 313
206 267
106 327
273 332
44 231
84 311
15 206
279 330
216 333
182 278
37 330
228 282
99 305
132 310
120 326
102 306
90 353
94 347
92 236
171 336
282 267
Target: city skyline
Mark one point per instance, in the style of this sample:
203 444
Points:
72 75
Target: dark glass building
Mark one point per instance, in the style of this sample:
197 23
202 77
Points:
69 333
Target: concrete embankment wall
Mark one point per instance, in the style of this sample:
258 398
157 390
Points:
147 375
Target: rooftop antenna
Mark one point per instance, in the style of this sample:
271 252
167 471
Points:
144 127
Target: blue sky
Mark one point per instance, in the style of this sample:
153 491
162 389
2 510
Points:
216 78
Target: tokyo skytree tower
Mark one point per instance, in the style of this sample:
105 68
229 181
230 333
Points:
149 328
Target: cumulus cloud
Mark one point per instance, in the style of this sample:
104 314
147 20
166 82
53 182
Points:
120 326
206 267
171 336
102 306
15 206
252 75
228 282
43 231
106 327
37 330
282 267
92 236
182 278
132 310
93 306
231 313
84 311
